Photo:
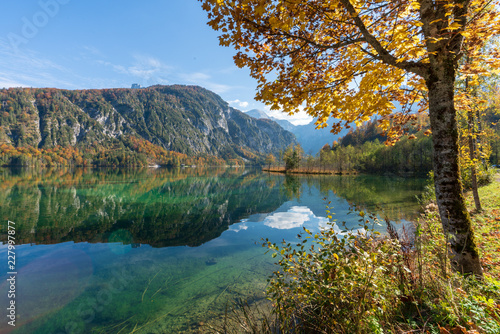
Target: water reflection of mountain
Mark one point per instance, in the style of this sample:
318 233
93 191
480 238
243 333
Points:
156 207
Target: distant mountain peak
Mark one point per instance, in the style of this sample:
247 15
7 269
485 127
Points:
310 138
256 113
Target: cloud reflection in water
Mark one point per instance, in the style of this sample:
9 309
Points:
298 216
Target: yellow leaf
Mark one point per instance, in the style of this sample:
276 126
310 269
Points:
454 26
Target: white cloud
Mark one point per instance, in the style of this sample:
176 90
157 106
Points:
298 216
299 118
295 217
238 227
238 103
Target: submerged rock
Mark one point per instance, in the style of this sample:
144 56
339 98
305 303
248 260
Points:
210 262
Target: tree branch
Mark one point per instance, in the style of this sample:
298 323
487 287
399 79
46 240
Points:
383 54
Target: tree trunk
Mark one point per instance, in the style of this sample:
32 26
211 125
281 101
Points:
478 139
472 150
472 157
451 203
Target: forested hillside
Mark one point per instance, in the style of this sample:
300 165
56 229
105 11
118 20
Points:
159 124
364 148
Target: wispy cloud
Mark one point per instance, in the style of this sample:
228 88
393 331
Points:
151 70
117 68
204 80
7 82
91 50
24 67
146 69
194 77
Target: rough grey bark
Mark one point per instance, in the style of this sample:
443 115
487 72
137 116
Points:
451 203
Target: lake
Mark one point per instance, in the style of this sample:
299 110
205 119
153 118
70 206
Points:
158 250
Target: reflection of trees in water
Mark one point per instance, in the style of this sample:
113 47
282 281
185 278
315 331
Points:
391 197
394 198
158 207
292 187
164 207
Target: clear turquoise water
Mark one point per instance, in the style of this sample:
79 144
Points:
162 251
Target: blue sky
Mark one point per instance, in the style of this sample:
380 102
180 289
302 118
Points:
80 44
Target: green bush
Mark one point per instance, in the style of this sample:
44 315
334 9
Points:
484 176
341 283
360 282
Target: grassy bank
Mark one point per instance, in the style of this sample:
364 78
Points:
364 283
487 227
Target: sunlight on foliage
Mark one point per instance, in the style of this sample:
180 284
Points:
360 282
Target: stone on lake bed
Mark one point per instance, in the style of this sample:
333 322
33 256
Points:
210 262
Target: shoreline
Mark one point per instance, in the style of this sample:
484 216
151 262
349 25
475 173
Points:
282 170
317 171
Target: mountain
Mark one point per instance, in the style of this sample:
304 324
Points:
185 119
259 114
256 113
310 138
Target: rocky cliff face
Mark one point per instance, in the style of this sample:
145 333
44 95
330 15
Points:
185 119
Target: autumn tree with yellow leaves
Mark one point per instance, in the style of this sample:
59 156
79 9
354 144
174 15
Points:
346 60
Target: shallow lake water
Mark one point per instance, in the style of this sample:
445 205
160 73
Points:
158 250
